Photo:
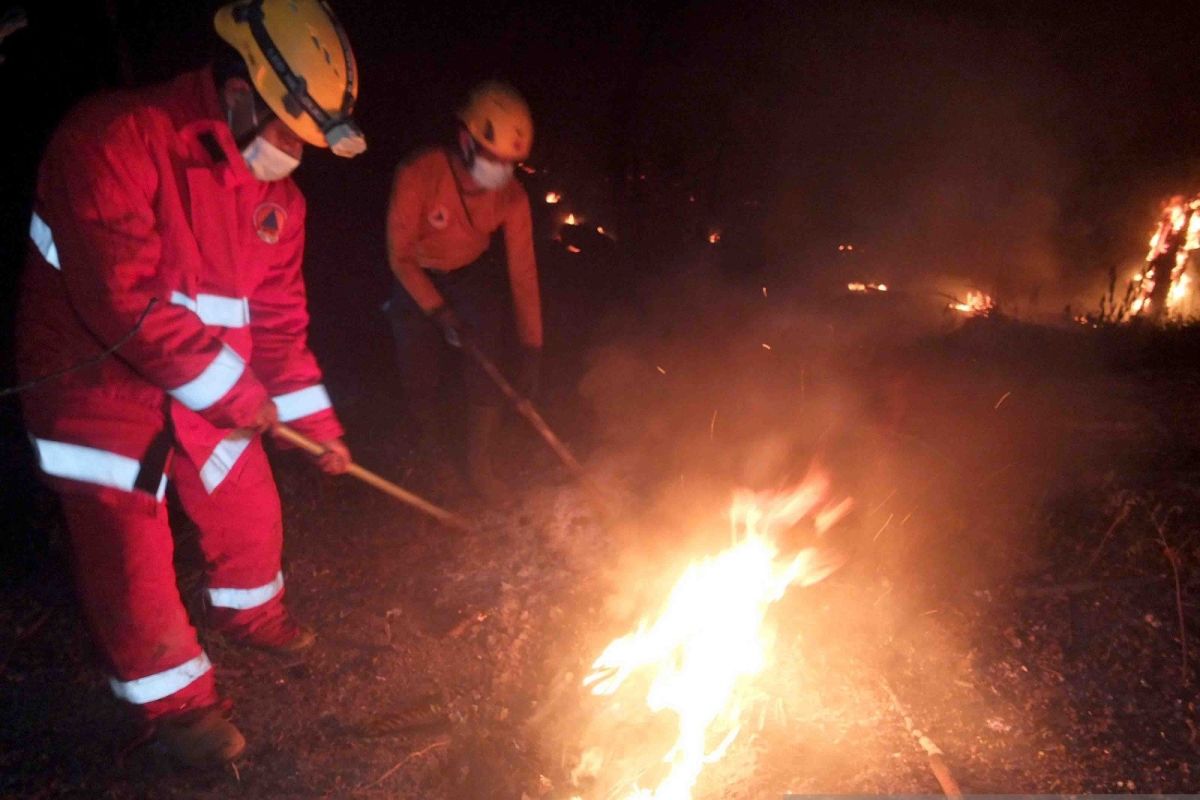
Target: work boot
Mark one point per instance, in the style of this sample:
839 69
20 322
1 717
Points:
483 425
200 738
275 631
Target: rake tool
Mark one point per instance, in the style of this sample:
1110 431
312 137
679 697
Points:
447 518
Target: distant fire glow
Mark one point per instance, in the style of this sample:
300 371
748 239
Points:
866 287
714 237
697 659
977 304
573 220
553 198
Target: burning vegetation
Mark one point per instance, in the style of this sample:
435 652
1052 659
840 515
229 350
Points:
696 661
1161 289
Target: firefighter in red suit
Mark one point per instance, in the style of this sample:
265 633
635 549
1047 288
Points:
165 222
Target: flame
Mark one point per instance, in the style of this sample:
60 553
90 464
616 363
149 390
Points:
572 219
573 249
552 198
714 236
858 286
709 641
977 304
1172 243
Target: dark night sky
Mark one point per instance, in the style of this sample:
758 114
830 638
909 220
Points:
1019 143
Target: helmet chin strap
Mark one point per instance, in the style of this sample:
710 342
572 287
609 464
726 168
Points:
249 129
469 149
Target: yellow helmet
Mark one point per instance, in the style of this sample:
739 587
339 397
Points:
302 66
498 119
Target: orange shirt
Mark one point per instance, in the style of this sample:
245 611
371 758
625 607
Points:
428 229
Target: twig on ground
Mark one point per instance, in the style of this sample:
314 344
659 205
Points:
1080 587
937 764
439 743
26 634
1121 516
1160 524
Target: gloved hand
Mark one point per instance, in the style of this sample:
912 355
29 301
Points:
336 459
445 318
266 416
529 373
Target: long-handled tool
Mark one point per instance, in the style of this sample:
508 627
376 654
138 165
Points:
526 409
448 518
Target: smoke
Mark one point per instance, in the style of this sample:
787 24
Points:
936 145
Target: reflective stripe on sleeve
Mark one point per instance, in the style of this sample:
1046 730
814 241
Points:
78 462
213 309
242 599
213 383
302 402
222 460
161 684
43 238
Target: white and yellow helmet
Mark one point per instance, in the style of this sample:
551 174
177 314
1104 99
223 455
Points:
301 64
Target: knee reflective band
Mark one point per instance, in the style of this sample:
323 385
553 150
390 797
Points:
43 239
301 403
213 383
161 684
77 462
242 599
222 460
213 309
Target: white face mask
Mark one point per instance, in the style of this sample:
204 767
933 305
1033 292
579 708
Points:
487 173
268 162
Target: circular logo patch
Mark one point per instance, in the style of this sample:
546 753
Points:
268 221
439 217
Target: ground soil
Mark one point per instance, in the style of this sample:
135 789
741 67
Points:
1031 549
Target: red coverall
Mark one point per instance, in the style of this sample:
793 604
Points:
143 196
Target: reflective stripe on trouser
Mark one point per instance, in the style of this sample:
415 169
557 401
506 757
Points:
149 688
241 535
123 562
78 462
245 599
122 558
223 459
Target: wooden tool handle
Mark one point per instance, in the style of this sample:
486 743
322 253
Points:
313 448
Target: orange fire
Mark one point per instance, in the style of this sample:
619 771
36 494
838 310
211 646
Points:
977 304
858 286
573 220
1177 235
697 660
714 237
552 198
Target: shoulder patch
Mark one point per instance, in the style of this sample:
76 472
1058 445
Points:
269 219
